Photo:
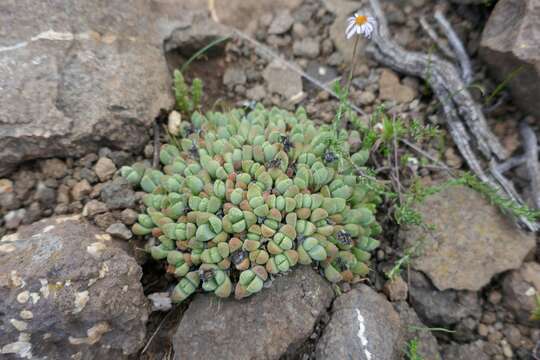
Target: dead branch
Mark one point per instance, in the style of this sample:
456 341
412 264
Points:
512 193
438 73
436 39
466 122
511 163
530 144
488 109
457 45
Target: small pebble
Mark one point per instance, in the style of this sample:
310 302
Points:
94 207
396 289
129 216
495 337
495 297
81 190
53 168
160 301
482 330
507 350
104 168
149 151
119 230
489 318
103 221
6 186
512 335
14 218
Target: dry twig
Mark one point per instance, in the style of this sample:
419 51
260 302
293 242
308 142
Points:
511 163
156 331
464 117
457 45
446 82
530 144
436 39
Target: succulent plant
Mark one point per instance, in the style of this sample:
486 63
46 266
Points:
243 196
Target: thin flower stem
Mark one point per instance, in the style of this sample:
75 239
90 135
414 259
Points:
344 96
353 63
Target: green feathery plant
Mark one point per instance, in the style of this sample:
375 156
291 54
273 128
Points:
506 205
404 261
412 350
535 315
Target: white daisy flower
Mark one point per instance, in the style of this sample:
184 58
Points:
361 25
413 162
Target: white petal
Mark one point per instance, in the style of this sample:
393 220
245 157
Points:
368 34
351 25
369 27
358 29
352 18
350 34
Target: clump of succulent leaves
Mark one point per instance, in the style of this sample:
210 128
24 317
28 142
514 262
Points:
245 195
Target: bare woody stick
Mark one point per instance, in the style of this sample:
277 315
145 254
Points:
457 45
459 107
530 143
441 72
436 39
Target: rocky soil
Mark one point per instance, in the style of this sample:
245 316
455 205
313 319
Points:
81 86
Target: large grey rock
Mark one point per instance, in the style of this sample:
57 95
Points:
474 2
364 326
471 241
188 25
241 13
77 76
511 42
69 292
188 31
441 308
520 290
267 325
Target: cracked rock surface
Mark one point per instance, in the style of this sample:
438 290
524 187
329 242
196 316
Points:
76 77
272 324
364 326
472 240
68 291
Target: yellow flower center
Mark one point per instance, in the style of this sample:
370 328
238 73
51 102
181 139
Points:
360 20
